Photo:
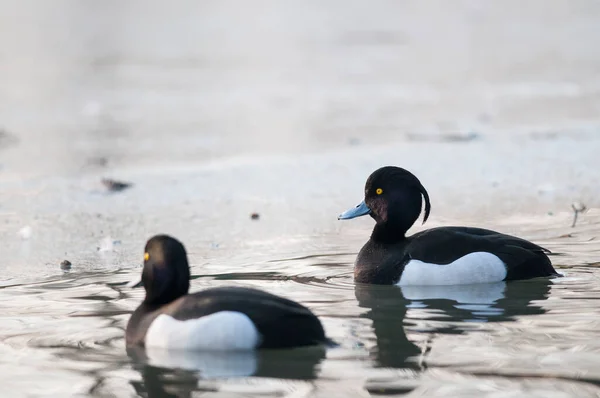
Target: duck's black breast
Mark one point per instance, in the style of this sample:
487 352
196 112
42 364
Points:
280 322
384 263
381 263
138 324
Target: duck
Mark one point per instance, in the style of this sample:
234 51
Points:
452 255
216 319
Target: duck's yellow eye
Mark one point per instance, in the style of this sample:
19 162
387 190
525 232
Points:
146 257
379 191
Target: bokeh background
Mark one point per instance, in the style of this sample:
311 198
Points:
214 110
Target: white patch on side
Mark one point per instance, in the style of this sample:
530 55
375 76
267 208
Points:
477 267
221 331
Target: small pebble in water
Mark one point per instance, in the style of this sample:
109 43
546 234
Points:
65 265
254 216
114 185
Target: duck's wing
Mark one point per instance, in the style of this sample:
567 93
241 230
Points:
444 245
499 237
280 322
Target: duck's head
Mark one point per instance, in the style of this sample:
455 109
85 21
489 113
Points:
393 197
166 274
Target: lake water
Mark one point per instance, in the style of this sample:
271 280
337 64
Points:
215 110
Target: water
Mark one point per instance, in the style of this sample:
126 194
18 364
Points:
64 336
217 110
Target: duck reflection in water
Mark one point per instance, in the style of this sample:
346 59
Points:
389 308
165 383
171 373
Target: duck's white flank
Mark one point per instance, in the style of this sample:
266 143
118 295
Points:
477 267
221 331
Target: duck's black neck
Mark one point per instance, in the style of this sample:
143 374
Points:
154 301
396 217
388 233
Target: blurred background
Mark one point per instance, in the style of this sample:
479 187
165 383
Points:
244 128
217 109
143 83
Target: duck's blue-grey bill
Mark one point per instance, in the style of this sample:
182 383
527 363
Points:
361 209
137 282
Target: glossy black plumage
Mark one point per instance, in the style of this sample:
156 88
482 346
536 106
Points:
280 322
383 258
